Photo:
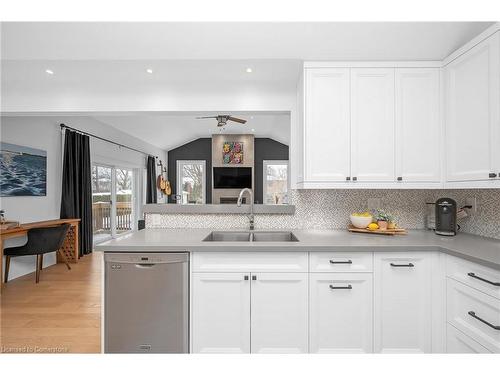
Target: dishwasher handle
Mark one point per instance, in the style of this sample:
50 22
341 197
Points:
145 265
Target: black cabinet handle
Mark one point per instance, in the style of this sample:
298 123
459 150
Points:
333 287
402 265
492 175
355 179
472 274
340 261
400 178
246 277
254 277
473 314
348 178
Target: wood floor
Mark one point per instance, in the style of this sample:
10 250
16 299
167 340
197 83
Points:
60 314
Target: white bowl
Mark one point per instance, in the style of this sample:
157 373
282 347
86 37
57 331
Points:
361 221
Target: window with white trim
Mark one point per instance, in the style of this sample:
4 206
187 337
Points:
276 182
191 181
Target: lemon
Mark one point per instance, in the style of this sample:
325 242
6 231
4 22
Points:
373 226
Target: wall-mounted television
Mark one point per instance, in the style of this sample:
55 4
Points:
232 177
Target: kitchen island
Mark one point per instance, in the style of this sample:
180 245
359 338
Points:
324 291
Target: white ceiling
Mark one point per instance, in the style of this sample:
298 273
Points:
242 40
167 131
196 67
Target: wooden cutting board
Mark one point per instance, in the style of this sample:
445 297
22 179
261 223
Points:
388 232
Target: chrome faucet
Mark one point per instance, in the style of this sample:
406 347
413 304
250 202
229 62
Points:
240 198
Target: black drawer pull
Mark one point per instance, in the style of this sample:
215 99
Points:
402 265
472 274
254 277
246 277
340 261
333 287
348 178
492 175
473 314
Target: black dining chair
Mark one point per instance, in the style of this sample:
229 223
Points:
40 241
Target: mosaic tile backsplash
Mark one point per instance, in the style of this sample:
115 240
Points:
330 209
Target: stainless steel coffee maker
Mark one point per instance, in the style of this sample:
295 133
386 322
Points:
446 217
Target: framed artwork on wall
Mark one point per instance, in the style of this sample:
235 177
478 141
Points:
232 153
23 171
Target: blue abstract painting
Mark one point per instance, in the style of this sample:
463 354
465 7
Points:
23 171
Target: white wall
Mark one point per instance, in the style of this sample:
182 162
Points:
43 132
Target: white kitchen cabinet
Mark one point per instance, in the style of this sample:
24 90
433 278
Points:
472 83
341 313
372 125
327 130
458 342
418 125
279 305
221 312
402 303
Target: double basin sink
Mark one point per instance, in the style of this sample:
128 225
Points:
250 236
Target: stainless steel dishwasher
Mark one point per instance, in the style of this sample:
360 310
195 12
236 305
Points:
146 303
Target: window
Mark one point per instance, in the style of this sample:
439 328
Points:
113 199
191 181
275 189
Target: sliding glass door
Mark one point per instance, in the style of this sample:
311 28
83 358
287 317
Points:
101 202
113 197
124 208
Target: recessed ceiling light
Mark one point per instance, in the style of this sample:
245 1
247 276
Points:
251 117
149 70
253 130
48 71
249 70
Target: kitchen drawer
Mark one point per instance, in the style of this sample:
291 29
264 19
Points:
474 275
459 342
250 262
462 302
341 262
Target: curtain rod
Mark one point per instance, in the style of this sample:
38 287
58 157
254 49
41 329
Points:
106 140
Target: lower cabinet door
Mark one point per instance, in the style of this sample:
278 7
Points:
341 312
279 313
459 342
402 302
221 312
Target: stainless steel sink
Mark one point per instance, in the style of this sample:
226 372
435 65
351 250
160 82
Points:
230 236
274 237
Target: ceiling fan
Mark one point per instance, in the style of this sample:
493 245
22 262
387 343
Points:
223 119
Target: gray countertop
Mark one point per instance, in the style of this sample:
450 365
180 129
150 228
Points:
477 249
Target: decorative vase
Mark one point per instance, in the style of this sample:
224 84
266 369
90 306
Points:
382 224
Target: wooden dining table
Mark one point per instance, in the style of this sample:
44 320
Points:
69 248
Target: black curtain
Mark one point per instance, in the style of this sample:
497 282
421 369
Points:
151 196
76 199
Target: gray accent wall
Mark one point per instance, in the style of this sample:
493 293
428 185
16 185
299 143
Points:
201 149
266 149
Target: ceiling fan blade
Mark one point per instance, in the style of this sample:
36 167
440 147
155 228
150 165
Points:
235 119
202 117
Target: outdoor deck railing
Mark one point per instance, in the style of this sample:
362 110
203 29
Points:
101 216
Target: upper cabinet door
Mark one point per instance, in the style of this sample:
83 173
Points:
326 132
372 124
472 112
418 129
